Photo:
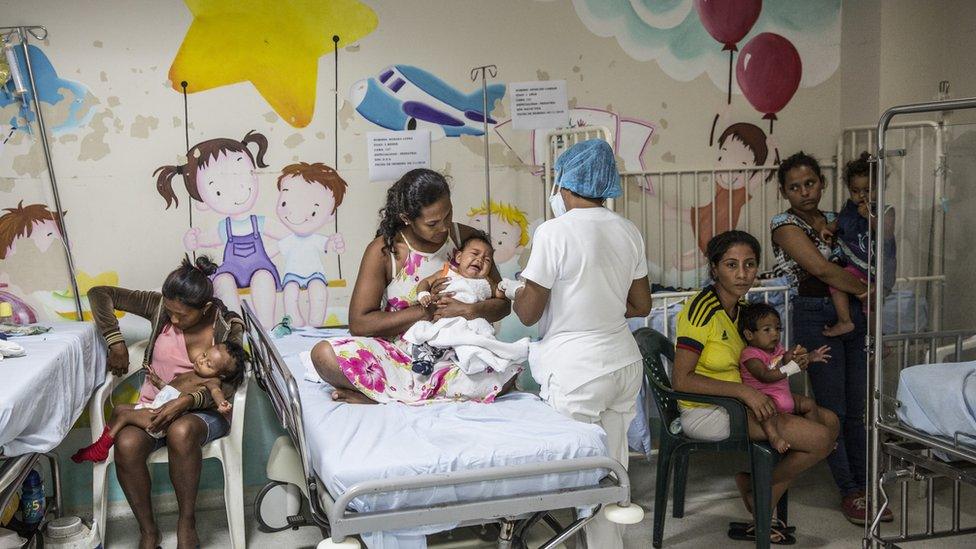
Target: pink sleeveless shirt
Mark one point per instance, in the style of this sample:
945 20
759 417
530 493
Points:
169 360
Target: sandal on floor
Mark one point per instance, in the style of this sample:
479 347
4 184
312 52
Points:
777 536
776 523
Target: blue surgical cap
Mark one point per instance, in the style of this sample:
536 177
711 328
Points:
589 169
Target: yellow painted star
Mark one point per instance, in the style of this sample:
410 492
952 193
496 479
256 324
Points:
273 44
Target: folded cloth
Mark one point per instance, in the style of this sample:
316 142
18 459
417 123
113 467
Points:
9 349
19 330
166 394
473 342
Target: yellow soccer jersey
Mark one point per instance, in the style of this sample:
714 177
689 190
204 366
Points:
706 329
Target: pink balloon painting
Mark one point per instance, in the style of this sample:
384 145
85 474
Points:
768 71
728 21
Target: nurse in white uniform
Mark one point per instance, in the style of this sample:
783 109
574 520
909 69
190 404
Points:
585 276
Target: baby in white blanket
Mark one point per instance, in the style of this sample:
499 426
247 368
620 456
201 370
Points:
469 280
473 341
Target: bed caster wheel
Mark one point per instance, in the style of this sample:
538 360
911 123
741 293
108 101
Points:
632 514
349 543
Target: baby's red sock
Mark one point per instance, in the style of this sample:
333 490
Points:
98 451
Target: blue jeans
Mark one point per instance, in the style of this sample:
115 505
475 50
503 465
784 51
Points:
840 384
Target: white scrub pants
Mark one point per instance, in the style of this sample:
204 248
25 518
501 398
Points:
609 401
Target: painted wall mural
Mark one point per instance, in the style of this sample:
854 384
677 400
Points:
72 100
69 108
273 44
672 33
33 222
404 97
220 175
60 304
511 233
632 137
308 197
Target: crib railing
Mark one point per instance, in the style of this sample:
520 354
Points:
679 210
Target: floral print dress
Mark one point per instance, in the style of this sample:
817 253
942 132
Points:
381 368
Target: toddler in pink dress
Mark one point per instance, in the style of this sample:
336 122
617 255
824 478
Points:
765 366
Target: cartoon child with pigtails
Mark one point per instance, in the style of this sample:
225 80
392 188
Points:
221 175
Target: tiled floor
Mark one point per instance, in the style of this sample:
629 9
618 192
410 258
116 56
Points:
712 503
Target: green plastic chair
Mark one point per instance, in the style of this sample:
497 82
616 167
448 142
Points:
675 447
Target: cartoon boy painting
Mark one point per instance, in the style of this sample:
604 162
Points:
308 196
33 221
37 223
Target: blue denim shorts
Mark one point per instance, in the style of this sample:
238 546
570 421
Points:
217 426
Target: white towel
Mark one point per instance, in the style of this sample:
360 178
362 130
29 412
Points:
473 341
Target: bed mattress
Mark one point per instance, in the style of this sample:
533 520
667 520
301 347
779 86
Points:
43 393
352 443
939 399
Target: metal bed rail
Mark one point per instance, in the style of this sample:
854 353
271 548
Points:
13 471
879 426
338 520
917 193
735 198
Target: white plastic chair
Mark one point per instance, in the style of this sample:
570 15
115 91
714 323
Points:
226 449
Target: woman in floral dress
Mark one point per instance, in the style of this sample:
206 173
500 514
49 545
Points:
415 238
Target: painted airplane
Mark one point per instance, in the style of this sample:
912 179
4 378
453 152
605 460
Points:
403 97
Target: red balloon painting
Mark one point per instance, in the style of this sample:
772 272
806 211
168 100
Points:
768 71
728 21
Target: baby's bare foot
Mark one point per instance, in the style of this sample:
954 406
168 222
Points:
779 444
839 329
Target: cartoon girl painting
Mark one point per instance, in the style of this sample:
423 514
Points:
220 174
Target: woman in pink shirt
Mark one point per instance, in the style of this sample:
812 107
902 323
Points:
186 321
765 365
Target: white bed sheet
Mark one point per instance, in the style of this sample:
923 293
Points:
349 444
940 399
43 394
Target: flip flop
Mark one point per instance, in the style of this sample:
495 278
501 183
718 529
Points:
776 535
776 522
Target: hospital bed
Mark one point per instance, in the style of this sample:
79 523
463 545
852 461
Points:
921 393
42 394
394 473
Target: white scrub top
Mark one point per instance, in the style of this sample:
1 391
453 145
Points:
588 258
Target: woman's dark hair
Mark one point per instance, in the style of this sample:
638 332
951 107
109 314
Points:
861 167
480 236
416 190
190 283
750 315
239 356
795 161
720 243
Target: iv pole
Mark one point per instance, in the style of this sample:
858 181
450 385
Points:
40 33
492 72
